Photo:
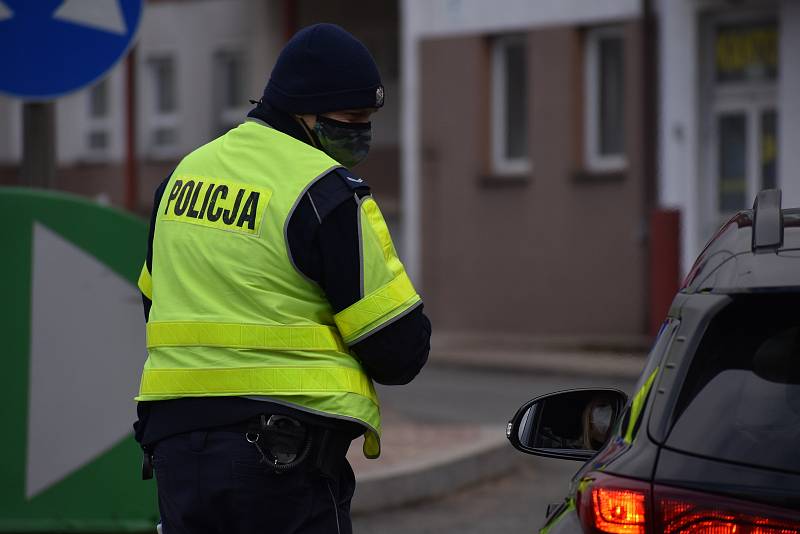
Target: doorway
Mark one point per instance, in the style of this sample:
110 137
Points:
741 120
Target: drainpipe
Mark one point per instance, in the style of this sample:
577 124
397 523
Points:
663 236
131 165
410 132
650 103
289 18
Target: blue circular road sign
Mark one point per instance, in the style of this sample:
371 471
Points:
49 48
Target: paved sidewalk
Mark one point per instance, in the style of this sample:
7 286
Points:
422 461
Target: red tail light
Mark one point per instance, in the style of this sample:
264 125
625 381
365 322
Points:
698 513
619 511
617 505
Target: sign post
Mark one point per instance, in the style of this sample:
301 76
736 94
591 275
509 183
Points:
38 144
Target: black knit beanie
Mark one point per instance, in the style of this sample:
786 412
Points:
324 68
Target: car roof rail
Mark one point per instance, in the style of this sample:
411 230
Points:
767 221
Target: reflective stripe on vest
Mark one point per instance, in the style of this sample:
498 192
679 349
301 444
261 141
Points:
242 336
256 381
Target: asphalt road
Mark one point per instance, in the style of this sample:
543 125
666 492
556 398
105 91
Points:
513 503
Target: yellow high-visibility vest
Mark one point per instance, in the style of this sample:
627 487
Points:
231 314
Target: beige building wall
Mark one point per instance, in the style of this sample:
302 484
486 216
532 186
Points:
558 252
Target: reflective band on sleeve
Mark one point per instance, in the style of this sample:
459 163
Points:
146 282
377 308
243 336
638 404
240 381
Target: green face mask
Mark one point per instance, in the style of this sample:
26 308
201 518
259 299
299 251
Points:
346 142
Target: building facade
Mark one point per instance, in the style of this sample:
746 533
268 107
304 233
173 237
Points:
530 175
521 152
197 65
729 109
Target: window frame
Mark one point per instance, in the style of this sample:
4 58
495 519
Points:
500 163
750 96
225 116
99 123
157 119
593 159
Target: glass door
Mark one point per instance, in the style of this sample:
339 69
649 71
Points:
745 154
740 123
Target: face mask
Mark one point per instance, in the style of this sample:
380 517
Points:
601 421
346 142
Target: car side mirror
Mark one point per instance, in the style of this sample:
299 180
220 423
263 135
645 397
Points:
572 425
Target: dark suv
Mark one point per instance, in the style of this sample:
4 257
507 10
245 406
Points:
710 441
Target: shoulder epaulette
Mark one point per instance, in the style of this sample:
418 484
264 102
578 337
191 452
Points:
351 180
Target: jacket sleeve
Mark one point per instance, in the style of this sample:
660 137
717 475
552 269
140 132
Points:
385 292
145 277
351 255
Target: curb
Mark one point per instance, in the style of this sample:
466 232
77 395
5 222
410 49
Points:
437 476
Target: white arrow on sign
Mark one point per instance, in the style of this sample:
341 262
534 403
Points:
102 15
5 12
87 351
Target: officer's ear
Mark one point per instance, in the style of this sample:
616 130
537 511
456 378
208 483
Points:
307 121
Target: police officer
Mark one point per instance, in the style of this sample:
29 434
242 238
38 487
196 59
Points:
273 297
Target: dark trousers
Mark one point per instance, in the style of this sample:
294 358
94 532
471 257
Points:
212 482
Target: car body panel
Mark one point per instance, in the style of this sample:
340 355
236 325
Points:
564 521
695 314
767 486
729 265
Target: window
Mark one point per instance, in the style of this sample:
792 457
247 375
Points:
97 134
732 128
510 106
163 106
163 71
741 396
230 104
98 100
633 421
605 100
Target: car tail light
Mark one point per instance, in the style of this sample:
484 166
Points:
614 504
618 505
699 513
619 511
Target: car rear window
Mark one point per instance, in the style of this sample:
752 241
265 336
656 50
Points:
740 401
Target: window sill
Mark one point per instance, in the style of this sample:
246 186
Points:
598 177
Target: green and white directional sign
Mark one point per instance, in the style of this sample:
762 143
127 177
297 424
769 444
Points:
73 348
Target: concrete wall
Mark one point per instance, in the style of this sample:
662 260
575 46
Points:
552 254
679 150
462 17
193 32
